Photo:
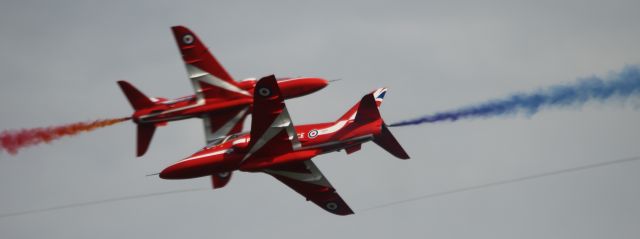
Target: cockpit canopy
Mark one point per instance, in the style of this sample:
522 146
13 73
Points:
223 139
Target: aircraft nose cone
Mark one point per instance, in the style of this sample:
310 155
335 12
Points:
317 83
301 86
170 172
197 165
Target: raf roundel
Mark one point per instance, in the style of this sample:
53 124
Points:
313 133
187 39
332 206
264 92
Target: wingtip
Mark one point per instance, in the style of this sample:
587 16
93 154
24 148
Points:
140 153
179 27
123 83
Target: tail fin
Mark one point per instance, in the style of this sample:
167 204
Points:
366 111
145 133
377 95
140 101
136 98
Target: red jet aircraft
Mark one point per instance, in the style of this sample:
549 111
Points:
221 102
274 146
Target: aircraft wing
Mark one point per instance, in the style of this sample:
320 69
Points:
209 78
223 123
306 179
272 130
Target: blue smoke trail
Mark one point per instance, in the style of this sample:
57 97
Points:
618 85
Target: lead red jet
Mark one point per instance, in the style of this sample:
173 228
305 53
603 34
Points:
219 100
276 147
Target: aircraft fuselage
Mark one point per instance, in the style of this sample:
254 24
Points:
190 106
315 139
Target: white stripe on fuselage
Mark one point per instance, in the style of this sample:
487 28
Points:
198 75
338 125
205 155
333 128
199 103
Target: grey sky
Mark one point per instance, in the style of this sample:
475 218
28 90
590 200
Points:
60 61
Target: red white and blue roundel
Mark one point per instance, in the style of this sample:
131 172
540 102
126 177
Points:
332 206
264 91
313 133
187 39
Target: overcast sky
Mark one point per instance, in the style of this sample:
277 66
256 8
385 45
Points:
61 59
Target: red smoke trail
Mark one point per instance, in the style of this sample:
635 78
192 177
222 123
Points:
13 140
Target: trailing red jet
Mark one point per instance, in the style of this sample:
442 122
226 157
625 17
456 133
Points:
276 147
220 101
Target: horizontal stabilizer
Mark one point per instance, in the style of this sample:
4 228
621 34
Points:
145 133
389 143
136 98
